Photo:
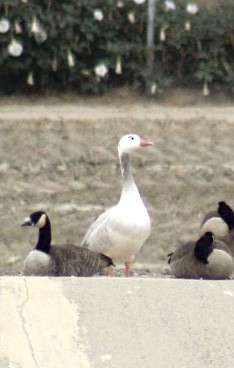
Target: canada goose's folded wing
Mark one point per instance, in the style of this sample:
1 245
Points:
71 260
182 251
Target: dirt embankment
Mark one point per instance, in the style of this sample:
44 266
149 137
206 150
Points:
68 166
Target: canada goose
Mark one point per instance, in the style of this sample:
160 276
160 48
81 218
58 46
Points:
121 231
65 260
220 223
206 258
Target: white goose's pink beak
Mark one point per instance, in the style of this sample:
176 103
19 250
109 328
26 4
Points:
145 143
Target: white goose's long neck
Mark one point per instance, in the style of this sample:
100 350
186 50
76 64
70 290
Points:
129 185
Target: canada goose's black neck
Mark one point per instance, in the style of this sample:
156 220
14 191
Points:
226 214
204 247
125 162
44 239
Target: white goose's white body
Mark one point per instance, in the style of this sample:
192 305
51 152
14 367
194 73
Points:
121 231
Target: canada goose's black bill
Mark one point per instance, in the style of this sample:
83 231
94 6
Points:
169 257
27 222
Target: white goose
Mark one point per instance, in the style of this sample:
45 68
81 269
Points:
121 231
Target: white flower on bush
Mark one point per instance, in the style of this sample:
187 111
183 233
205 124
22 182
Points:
18 28
30 79
139 1
187 26
70 59
192 8
205 90
153 88
131 17
85 72
4 25
35 27
120 4
162 34
98 14
41 36
15 48
170 5
118 66
101 70
54 64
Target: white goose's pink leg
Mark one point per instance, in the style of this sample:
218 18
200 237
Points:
127 269
110 271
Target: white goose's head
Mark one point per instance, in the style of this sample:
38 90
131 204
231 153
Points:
131 142
37 219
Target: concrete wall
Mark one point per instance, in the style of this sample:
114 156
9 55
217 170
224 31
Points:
115 322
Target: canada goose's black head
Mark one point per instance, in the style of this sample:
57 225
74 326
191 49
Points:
38 219
226 213
204 247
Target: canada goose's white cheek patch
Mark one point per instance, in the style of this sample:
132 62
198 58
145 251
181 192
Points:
216 226
41 222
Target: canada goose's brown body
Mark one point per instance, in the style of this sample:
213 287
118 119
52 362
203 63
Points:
207 258
59 260
65 260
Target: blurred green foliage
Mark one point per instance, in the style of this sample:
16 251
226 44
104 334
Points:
91 46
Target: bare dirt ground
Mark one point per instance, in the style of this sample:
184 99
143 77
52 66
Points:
62 158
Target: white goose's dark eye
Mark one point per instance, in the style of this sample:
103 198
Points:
130 137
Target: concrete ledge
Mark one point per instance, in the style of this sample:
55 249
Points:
116 322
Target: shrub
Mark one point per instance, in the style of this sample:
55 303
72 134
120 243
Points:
91 46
